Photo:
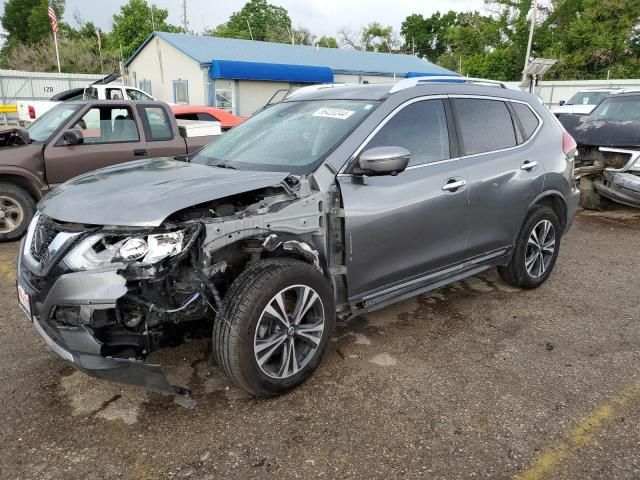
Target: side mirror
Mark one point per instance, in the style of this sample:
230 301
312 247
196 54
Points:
73 137
561 102
383 160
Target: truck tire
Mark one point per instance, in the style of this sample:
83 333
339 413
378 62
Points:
536 250
16 211
278 319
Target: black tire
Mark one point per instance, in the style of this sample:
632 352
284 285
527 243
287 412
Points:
234 331
12 194
516 273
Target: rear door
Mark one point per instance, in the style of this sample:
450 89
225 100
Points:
111 136
401 228
505 175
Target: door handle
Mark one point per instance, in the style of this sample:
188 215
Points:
452 184
528 166
142 152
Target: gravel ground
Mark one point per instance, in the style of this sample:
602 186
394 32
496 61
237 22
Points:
473 380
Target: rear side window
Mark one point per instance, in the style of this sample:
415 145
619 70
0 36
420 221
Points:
527 118
421 128
187 116
485 125
159 124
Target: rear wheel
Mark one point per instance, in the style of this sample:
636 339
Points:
536 250
278 320
16 210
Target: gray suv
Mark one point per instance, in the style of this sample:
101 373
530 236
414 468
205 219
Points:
335 202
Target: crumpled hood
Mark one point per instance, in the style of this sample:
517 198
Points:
588 131
144 193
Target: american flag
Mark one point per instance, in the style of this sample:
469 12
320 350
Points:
52 16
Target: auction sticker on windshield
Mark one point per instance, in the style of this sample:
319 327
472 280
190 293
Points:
24 301
340 113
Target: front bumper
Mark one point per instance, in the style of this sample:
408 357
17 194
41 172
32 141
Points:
91 290
621 187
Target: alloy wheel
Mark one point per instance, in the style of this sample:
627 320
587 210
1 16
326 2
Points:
541 247
289 331
11 214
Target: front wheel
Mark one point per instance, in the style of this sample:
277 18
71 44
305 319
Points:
536 250
16 211
278 319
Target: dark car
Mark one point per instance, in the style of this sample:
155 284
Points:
74 138
608 162
331 203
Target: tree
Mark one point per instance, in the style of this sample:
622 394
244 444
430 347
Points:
133 25
327 42
259 20
373 37
76 55
427 37
39 22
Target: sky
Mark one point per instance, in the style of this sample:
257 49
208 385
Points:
322 17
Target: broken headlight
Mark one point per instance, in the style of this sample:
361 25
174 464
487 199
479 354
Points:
103 250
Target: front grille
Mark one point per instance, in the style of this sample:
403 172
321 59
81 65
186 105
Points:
44 234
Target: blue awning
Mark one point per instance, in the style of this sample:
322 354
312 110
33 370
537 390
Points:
431 74
271 72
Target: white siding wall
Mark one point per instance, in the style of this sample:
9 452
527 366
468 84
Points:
338 78
254 95
162 64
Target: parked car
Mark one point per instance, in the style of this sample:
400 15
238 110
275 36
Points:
76 137
329 204
29 111
608 164
584 101
201 113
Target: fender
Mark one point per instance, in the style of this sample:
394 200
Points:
26 179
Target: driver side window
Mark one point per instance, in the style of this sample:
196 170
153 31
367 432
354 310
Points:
108 125
421 128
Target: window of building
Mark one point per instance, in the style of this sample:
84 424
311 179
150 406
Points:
527 118
181 91
224 94
106 124
486 125
145 86
421 128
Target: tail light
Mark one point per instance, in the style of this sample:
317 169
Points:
32 112
569 145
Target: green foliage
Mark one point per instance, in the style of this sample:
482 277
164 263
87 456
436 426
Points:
134 24
327 42
589 38
259 20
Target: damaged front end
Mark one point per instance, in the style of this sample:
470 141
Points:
610 172
104 298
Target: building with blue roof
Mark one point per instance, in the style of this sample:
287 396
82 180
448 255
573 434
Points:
242 75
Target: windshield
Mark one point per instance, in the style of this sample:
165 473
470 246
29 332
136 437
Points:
43 127
621 109
588 98
289 137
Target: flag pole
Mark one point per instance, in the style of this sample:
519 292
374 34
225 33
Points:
55 39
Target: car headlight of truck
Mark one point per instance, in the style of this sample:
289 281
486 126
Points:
103 250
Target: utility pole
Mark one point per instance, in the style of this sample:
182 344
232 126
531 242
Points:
185 22
534 15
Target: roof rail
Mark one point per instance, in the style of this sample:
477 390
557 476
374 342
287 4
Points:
315 88
415 81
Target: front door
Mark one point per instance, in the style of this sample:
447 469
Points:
401 228
111 136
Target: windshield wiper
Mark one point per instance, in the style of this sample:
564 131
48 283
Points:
224 165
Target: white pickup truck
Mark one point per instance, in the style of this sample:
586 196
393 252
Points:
29 110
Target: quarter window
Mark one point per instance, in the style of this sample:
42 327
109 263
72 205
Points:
108 125
421 128
159 124
527 118
485 125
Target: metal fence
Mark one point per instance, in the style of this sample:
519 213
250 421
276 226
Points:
553 92
16 86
